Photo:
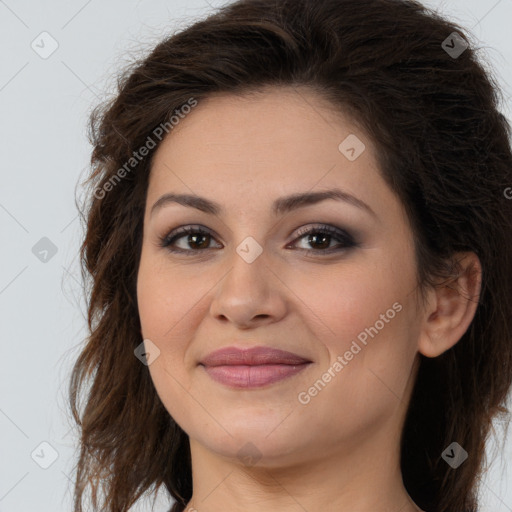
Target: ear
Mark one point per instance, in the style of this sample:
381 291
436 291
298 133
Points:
451 307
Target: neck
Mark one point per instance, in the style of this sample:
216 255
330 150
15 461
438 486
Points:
364 477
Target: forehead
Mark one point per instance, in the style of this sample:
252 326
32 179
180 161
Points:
274 141
261 120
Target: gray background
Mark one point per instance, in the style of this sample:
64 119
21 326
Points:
44 104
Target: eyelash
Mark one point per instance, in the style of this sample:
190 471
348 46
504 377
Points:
340 235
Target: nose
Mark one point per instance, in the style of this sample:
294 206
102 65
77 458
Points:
250 294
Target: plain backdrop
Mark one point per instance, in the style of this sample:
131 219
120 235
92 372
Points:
44 104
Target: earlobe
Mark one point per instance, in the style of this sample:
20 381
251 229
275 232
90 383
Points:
451 307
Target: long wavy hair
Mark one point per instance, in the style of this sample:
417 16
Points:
432 112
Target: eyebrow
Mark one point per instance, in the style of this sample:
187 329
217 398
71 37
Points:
280 206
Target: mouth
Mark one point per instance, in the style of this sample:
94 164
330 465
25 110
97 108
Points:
252 368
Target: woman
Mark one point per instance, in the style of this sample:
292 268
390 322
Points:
300 243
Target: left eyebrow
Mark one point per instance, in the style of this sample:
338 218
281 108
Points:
280 206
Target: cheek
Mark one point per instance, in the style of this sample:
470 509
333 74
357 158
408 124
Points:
370 358
171 304
166 297
363 315
345 302
164 314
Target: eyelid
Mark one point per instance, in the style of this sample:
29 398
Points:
184 230
342 234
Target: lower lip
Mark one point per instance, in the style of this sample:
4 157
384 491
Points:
244 376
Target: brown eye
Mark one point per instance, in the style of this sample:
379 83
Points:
320 238
196 238
202 241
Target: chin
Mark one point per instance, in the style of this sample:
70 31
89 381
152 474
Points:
254 446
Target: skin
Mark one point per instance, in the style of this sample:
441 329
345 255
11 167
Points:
244 152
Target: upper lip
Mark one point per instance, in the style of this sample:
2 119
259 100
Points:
253 356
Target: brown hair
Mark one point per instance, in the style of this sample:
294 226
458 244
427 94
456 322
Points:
443 147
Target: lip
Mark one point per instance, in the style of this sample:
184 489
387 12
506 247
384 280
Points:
252 367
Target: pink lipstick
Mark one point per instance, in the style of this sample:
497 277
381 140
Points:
253 367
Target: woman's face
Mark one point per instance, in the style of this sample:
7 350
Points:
262 276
